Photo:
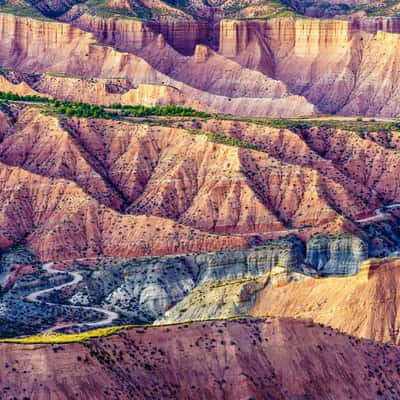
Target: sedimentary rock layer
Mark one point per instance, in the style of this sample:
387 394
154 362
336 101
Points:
34 46
278 67
334 65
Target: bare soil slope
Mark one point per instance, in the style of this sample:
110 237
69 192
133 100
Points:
364 305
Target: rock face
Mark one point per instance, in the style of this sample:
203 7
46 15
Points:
110 91
22 88
336 255
249 263
233 37
130 35
375 24
146 288
276 67
254 358
223 299
323 54
364 305
225 294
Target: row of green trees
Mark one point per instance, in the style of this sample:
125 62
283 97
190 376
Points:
168 110
8 96
79 109
85 110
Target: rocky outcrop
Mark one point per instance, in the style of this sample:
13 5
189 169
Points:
223 299
201 53
336 255
213 284
144 289
238 264
126 34
233 37
110 91
224 295
184 36
22 88
375 24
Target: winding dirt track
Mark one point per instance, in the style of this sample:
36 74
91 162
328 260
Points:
380 214
34 297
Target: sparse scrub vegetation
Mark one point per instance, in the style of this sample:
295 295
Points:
226 140
353 125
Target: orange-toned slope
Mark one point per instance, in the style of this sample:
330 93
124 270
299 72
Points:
38 143
327 152
365 305
172 173
59 221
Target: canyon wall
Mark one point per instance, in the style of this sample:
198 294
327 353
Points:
375 24
34 46
146 288
277 67
130 35
337 67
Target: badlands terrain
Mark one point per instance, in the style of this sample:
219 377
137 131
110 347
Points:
199 199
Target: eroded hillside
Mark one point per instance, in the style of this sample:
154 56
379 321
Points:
207 177
207 359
